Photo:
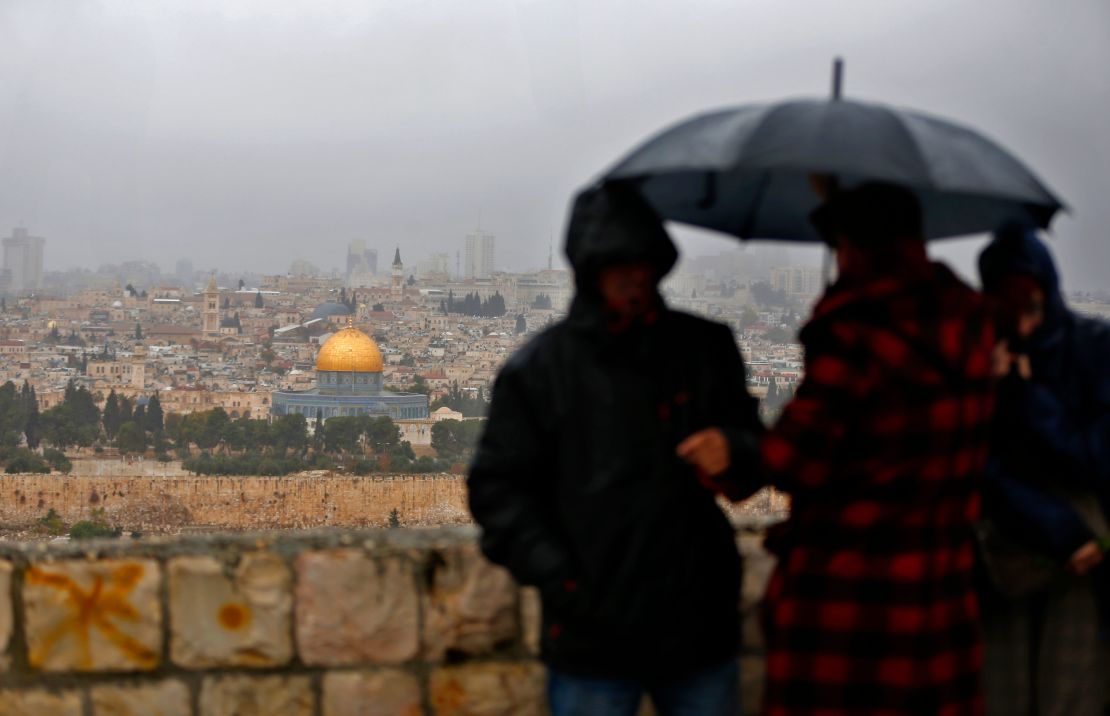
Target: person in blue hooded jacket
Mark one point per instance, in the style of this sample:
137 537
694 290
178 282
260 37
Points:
1048 487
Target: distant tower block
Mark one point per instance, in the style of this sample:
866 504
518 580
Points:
23 259
479 254
397 279
211 324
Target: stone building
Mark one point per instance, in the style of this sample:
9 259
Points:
349 382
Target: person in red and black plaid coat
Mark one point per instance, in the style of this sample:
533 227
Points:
872 607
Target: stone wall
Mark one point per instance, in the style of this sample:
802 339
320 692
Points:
137 502
325 623
386 622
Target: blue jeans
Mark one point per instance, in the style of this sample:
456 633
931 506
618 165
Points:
714 691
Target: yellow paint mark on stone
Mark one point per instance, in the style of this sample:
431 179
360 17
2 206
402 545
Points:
234 616
91 609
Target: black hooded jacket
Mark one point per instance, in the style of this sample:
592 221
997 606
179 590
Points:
576 484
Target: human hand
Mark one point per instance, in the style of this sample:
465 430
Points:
1002 359
1005 362
1085 558
707 450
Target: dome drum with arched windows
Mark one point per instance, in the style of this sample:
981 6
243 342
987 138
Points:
349 382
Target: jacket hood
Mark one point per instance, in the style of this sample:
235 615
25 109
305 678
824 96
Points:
611 224
1018 250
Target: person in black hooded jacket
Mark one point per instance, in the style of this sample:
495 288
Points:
595 478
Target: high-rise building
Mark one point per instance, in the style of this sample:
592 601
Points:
479 255
798 280
362 263
23 257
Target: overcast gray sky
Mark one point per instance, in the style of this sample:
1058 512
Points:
247 133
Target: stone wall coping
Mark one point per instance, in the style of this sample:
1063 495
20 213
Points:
286 543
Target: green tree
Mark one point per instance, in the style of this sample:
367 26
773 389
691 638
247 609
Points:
11 415
214 428
419 385
455 439
112 419
155 420
32 429
57 460
138 332
126 408
289 432
342 434
258 300
131 438
382 434
51 523
96 527
22 460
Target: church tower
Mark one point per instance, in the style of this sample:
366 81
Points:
397 281
211 324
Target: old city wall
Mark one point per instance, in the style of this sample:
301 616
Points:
139 502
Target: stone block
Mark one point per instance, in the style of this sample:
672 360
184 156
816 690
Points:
470 606
162 698
222 616
256 696
488 689
40 703
390 692
6 618
353 608
531 619
93 615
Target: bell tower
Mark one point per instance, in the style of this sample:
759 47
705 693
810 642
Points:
397 280
211 313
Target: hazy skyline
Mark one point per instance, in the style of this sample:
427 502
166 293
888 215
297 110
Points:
244 134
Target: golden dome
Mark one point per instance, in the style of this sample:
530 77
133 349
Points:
350 350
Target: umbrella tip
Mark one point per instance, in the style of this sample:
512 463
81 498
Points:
837 77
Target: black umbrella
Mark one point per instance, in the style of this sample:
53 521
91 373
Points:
751 170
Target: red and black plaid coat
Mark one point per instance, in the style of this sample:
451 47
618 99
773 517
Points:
872 608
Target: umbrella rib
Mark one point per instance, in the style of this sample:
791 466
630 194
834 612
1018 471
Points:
761 189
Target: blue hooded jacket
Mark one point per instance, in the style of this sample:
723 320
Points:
1053 431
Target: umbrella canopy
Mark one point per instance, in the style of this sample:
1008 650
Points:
749 170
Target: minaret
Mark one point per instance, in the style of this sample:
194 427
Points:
138 367
211 324
397 282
